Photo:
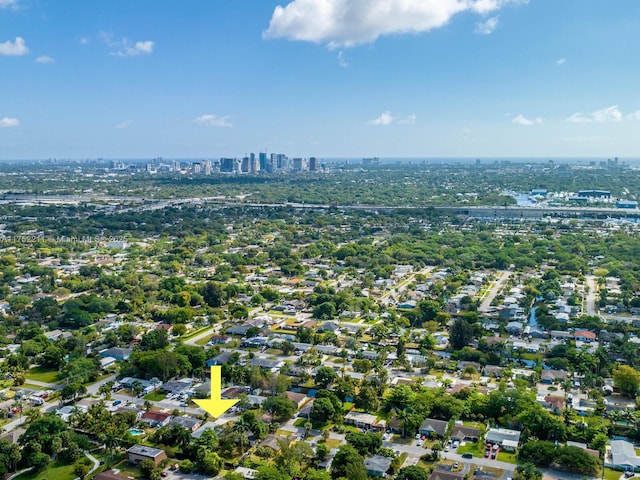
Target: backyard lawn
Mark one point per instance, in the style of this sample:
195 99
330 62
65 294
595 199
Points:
40 374
57 470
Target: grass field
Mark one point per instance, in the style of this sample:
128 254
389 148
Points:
196 332
610 474
475 449
155 396
57 470
42 375
507 457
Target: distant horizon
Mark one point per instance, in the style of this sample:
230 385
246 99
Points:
336 159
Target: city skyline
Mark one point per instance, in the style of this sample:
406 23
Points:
324 78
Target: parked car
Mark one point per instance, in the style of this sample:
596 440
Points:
467 455
456 465
446 449
486 453
456 444
417 436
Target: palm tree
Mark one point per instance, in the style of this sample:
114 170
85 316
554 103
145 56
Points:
111 444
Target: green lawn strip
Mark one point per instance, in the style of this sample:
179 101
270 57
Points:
611 474
31 386
204 340
156 396
475 449
40 374
507 457
402 441
197 332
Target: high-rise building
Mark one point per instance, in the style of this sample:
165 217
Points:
262 156
227 164
299 164
313 164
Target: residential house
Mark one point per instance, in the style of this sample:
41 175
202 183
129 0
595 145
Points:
266 364
118 353
507 439
363 420
328 327
298 398
622 455
220 339
493 371
155 418
552 376
559 334
190 423
220 359
461 433
514 328
233 392
377 465
177 387
553 403
433 426
584 336
273 442
140 453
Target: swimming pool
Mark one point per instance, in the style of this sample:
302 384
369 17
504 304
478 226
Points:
136 432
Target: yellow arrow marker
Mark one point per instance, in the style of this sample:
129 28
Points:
216 406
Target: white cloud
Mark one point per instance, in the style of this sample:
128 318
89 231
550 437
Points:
9 4
84 41
124 48
634 115
14 48
124 124
488 26
8 122
341 60
210 120
45 59
386 118
561 61
522 120
609 114
348 23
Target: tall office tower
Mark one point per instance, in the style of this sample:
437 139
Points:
244 167
282 161
226 164
313 164
262 156
299 164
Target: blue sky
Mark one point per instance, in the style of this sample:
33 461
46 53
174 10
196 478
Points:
330 78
